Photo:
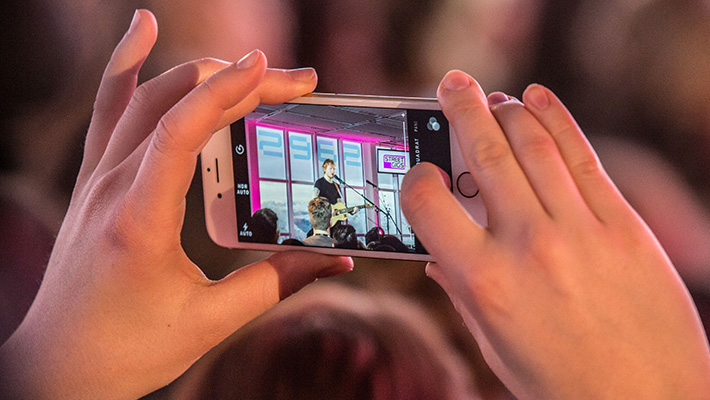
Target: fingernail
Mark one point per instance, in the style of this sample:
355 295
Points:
302 74
248 60
135 21
337 269
497 98
537 97
456 81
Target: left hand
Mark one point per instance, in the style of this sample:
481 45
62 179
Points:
122 311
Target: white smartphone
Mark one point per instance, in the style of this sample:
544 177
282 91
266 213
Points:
323 172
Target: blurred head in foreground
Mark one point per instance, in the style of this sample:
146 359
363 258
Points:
337 343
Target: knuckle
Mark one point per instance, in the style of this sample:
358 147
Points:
542 244
215 96
106 207
489 154
563 129
123 227
143 94
539 143
209 87
587 168
553 254
162 137
538 147
100 194
166 135
465 110
143 100
491 293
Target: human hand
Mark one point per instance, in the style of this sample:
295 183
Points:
122 311
566 290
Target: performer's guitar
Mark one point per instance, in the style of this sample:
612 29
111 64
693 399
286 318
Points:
341 211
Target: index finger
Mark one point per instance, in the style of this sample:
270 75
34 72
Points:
171 155
486 151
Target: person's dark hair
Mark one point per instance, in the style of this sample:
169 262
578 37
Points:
319 211
338 343
344 236
390 240
264 226
373 235
292 242
377 246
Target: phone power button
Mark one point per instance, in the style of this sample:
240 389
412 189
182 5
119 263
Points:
466 185
239 149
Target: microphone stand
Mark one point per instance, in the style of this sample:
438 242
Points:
368 201
342 182
377 209
386 212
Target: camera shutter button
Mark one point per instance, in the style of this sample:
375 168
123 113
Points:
466 185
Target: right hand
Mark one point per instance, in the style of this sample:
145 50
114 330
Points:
567 291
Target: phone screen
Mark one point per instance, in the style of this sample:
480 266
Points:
330 176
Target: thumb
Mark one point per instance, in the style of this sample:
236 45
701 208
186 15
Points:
299 268
249 291
437 273
455 288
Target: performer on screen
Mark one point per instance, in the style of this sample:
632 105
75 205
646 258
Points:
326 187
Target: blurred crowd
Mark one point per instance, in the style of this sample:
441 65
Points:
635 73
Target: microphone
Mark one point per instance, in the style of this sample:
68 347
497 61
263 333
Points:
371 184
337 178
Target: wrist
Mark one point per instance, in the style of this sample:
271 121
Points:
35 363
16 374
